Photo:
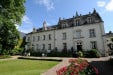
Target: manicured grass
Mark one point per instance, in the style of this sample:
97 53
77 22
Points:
25 67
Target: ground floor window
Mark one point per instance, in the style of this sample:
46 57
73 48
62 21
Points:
49 46
65 46
43 46
93 44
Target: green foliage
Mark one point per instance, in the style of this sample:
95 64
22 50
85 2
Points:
16 51
53 54
5 56
59 54
11 13
91 53
80 54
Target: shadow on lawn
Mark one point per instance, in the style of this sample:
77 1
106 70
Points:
103 67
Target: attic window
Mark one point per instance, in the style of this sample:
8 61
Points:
64 25
89 20
77 22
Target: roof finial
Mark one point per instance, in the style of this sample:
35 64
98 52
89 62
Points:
44 25
94 11
76 13
59 18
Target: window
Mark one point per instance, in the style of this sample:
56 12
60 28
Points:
49 46
90 20
93 44
64 25
33 47
43 37
78 33
43 46
77 22
49 36
92 33
64 45
33 38
28 39
37 46
64 36
38 38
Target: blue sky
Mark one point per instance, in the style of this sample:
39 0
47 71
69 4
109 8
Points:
50 10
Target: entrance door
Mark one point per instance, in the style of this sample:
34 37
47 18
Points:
79 47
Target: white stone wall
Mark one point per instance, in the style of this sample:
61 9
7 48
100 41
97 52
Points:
57 37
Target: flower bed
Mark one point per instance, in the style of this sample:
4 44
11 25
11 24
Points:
78 67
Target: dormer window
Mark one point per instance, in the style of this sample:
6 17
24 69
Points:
77 22
89 20
64 25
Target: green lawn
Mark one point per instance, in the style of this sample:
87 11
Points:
25 67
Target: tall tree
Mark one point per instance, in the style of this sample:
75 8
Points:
11 13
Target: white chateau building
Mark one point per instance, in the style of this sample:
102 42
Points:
81 32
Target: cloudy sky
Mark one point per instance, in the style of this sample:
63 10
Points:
50 10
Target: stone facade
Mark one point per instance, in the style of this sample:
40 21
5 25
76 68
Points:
81 32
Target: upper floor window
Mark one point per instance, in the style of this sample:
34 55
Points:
28 39
64 25
49 36
43 37
93 44
78 33
33 38
64 36
38 38
90 20
92 33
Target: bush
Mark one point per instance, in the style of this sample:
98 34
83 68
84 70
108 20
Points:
91 54
80 54
16 51
59 54
5 56
36 53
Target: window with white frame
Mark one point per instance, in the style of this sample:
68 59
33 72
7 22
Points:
78 33
38 38
43 46
49 36
77 22
92 33
33 38
93 44
43 37
49 46
64 45
89 20
64 36
37 46
28 39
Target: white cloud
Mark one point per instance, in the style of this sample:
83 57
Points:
47 3
26 19
26 26
101 3
109 6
